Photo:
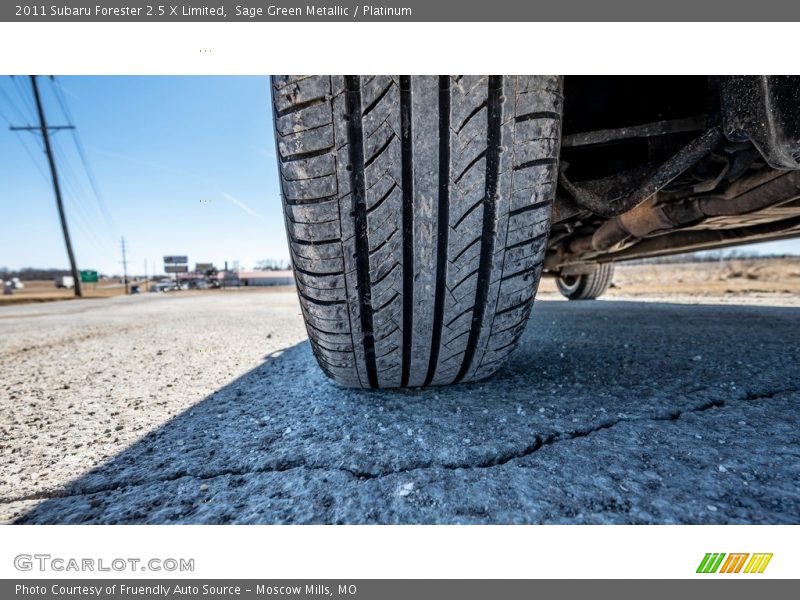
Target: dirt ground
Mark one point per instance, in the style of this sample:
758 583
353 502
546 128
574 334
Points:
776 280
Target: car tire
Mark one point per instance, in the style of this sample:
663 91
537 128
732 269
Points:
588 286
417 212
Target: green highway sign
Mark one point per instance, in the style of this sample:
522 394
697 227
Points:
89 276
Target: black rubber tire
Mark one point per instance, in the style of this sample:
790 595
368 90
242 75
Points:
587 286
417 210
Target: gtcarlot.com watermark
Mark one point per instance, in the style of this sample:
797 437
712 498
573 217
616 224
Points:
59 564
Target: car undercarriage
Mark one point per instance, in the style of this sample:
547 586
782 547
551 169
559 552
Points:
422 211
652 166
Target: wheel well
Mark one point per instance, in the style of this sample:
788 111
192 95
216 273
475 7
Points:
654 165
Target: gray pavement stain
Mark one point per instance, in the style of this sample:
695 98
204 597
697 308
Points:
609 412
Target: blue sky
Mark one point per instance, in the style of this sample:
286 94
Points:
184 165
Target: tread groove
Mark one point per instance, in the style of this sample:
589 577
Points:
377 100
379 151
387 303
459 315
494 124
531 269
384 242
306 155
532 240
467 247
468 212
313 274
550 160
386 335
382 198
443 225
474 112
302 242
315 327
407 178
358 190
470 165
385 275
510 327
528 208
465 278
542 114
513 307
309 201
318 301
300 106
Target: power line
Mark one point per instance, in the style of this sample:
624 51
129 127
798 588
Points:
74 192
45 131
73 189
31 156
13 105
27 103
62 101
83 221
5 118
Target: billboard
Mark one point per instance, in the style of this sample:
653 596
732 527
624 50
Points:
203 267
176 260
176 269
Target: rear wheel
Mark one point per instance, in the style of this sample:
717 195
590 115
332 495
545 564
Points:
587 286
417 211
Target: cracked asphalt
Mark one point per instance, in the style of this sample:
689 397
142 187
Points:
209 408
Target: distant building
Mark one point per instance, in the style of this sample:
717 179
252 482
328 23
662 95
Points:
256 278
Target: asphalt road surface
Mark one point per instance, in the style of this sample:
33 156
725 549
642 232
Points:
211 409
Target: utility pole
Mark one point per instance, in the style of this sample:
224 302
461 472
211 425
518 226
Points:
124 265
45 131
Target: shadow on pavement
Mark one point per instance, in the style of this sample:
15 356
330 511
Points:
608 412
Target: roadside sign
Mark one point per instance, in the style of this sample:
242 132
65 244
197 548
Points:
203 267
89 276
176 260
176 269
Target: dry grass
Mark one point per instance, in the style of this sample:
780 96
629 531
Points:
760 278
46 291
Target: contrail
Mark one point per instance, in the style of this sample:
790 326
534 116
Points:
151 164
194 176
242 205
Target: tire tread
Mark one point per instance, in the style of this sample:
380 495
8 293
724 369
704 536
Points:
417 211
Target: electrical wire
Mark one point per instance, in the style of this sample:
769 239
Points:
70 177
62 101
5 118
72 187
74 190
35 162
27 102
19 135
81 221
13 106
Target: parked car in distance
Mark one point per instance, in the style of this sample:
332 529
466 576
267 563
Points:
65 281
